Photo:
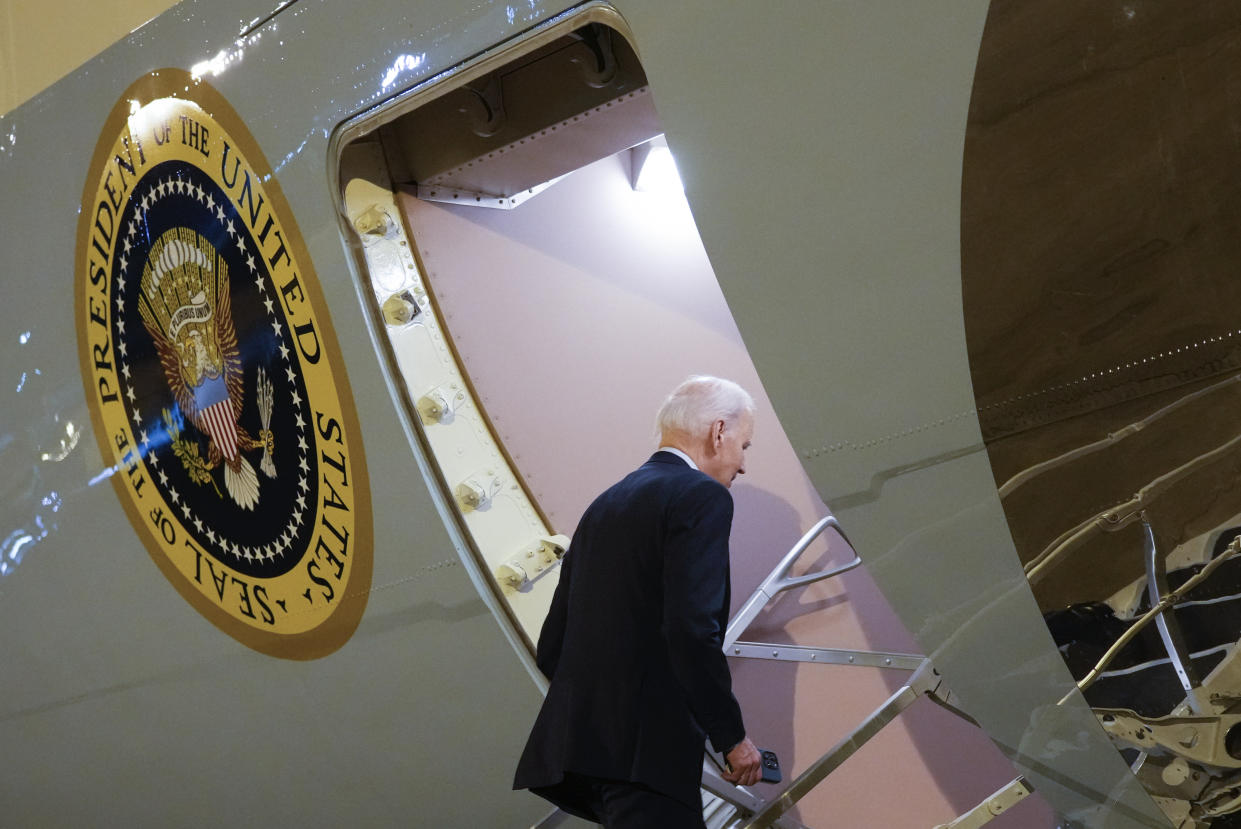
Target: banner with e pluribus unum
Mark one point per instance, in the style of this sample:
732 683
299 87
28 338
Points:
213 376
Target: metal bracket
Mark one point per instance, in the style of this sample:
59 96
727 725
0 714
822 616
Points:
457 195
439 404
477 491
1169 629
994 806
401 309
1213 740
826 656
532 562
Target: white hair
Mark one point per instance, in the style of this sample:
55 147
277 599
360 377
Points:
699 401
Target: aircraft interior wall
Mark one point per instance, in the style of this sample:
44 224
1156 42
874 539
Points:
573 314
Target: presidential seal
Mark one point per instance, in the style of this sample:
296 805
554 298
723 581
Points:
212 375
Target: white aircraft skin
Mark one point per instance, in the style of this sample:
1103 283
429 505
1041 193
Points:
835 238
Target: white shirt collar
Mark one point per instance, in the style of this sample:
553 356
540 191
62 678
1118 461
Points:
680 454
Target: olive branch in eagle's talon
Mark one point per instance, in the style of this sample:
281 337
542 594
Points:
195 465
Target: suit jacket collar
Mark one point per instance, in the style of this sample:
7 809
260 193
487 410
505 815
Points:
671 460
679 453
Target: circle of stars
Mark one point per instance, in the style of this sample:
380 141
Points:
148 198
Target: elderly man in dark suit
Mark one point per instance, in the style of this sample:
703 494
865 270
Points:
632 643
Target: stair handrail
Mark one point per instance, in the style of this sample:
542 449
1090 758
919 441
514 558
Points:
778 579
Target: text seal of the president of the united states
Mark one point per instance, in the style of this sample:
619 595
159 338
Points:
213 377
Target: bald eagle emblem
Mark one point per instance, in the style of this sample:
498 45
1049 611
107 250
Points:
185 306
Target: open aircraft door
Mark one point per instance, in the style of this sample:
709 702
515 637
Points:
831 211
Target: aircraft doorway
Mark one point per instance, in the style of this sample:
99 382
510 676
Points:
534 306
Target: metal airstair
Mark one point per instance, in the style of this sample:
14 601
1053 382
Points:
749 812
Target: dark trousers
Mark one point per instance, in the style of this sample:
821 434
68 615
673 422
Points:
619 804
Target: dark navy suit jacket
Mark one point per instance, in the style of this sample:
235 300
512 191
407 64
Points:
632 643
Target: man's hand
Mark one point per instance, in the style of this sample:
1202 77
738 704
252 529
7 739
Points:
745 764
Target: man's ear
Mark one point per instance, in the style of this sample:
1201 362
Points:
717 434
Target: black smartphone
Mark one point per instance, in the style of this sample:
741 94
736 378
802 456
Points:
771 766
